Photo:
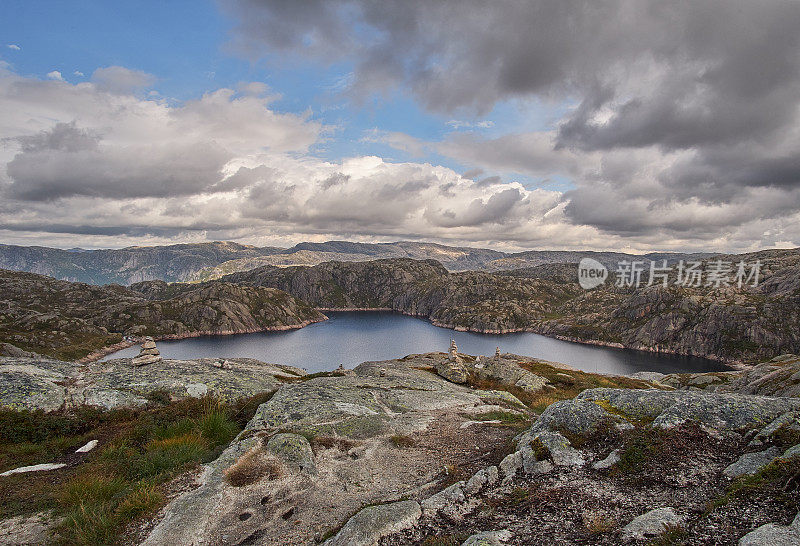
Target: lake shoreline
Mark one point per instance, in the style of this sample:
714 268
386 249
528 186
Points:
111 349
733 364
359 336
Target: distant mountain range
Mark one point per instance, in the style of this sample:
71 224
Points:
208 261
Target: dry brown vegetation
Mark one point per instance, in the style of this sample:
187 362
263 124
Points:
252 467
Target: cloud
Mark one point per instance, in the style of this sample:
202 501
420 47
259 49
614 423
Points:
78 73
55 75
398 141
120 80
681 119
15 47
460 124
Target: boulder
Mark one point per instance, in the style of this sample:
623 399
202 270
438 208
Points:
651 524
294 450
511 465
789 420
750 463
612 459
774 535
580 417
449 502
559 448
372 523
482 478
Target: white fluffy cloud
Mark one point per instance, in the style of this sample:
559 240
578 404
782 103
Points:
98 164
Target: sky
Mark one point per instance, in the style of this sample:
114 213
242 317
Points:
557 124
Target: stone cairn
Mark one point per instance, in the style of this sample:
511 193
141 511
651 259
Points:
149 353
497 353
453 351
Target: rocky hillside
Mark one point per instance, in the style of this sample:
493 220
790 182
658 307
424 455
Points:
732 324
125 265
208 261
468 300
71 320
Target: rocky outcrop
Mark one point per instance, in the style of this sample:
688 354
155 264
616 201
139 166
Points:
71 320
729 324
126 265
372 523
27 383
372 452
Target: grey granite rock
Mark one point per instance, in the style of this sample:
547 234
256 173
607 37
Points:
792 452
651 524
750 463
612 459
479 480
562 453
294 450
772 534
372 523
789 420
448 501
717 410
581 417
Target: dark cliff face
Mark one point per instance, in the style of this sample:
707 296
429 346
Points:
731 324
70 320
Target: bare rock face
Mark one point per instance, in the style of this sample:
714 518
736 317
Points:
148 355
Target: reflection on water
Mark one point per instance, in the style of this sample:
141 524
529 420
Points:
350 338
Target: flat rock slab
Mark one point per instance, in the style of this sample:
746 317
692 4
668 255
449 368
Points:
34 383
372 523
34 530
37 383
362 405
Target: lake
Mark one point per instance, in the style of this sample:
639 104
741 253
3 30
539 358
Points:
350 338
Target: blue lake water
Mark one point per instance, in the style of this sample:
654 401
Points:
350 338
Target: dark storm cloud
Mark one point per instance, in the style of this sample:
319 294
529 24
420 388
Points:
68 161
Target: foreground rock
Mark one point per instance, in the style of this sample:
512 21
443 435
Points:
648 448
39 383
382 440
774 535
374 522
